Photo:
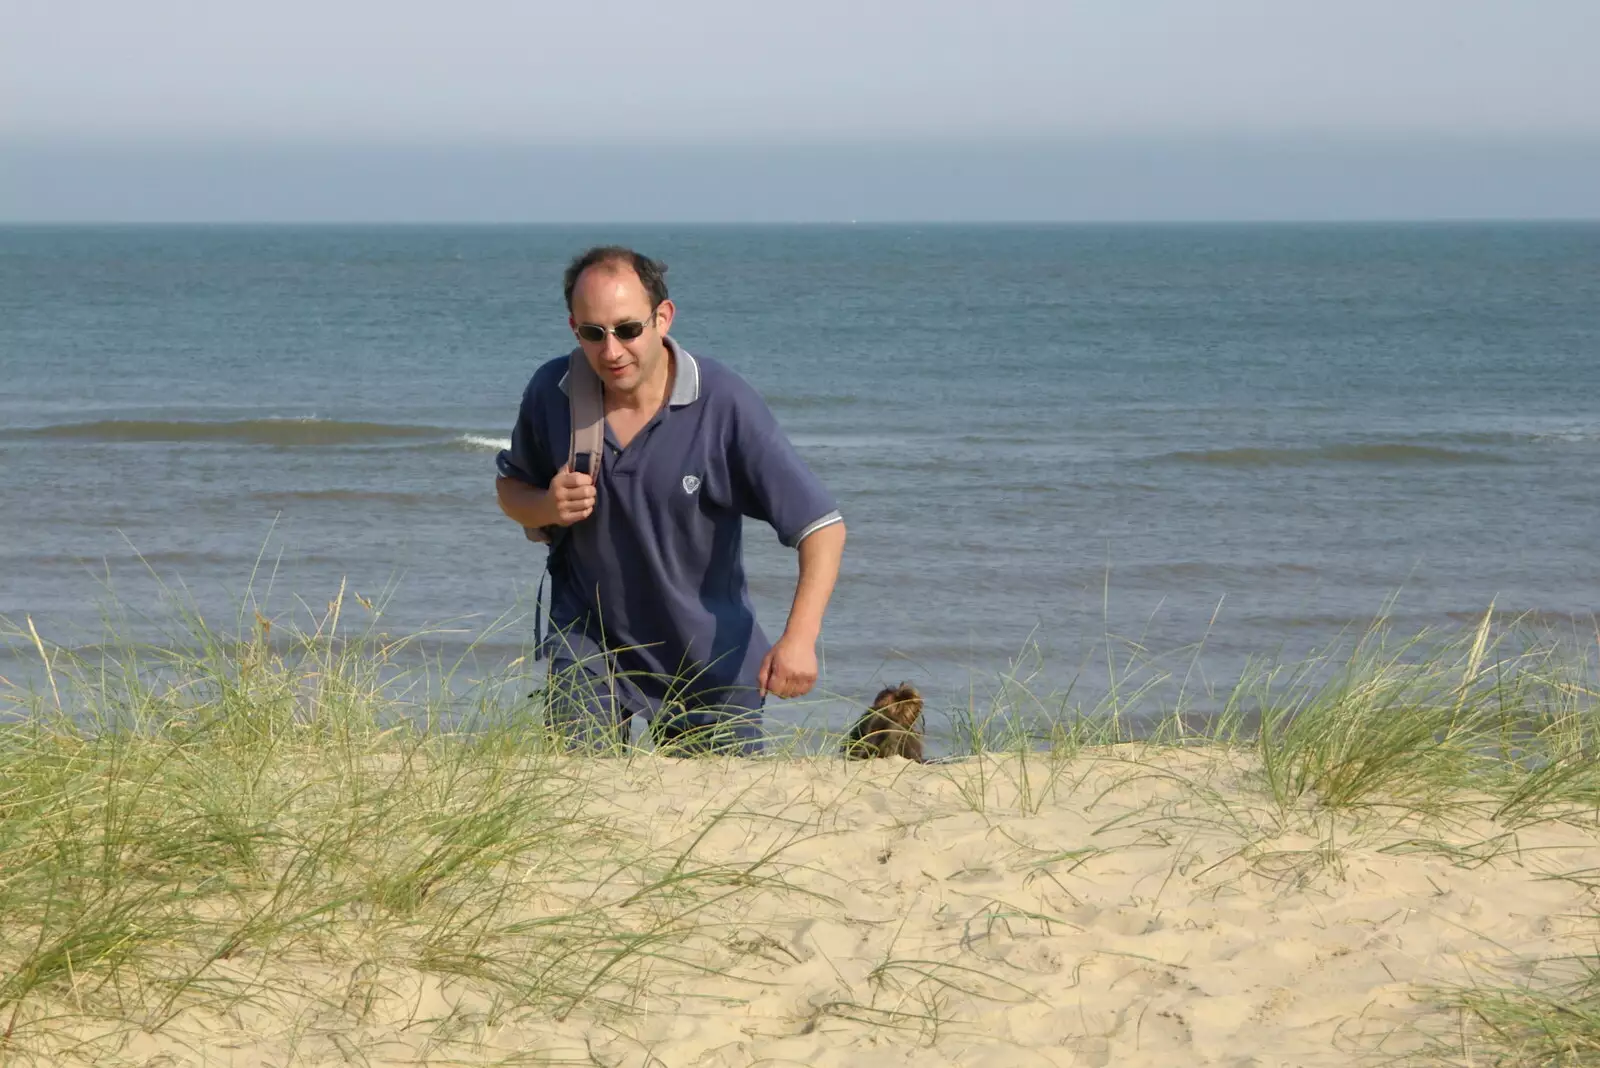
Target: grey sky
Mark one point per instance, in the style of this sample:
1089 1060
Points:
630 68
102 91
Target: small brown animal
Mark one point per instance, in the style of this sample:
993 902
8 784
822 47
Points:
889 727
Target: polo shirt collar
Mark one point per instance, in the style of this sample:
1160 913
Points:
685 387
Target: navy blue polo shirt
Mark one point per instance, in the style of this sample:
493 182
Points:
655 574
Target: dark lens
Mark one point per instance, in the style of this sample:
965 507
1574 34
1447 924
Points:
590 332
629 330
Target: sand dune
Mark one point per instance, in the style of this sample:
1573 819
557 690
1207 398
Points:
1126 907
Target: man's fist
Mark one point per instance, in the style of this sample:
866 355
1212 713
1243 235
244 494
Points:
573 494
789 669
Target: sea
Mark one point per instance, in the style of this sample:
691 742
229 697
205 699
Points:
1080 465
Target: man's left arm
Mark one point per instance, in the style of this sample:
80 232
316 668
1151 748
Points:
790 666
776 485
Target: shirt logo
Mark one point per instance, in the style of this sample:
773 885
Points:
691 483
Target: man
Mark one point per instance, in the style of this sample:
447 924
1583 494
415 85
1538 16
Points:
649 610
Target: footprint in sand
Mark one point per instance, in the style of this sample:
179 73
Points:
1159 1029
1135 1034
832 940
1024 951
1038 957
1124 920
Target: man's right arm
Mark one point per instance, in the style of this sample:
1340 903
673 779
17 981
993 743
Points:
528 505
569 499
530 489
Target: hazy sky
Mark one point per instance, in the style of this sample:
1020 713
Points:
94 94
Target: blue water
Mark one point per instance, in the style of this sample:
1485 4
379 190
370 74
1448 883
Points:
1255 435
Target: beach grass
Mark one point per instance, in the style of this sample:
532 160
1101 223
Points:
283 834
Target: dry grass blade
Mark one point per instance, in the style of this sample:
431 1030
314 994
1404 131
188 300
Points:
290 825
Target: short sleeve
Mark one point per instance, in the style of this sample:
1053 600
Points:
771 481
528 458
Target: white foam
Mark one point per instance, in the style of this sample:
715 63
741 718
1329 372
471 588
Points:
477 441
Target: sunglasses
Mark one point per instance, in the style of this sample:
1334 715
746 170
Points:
627 331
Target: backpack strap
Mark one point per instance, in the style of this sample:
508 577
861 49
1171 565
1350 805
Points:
586 399
587 405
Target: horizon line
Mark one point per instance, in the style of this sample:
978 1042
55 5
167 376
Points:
1373 220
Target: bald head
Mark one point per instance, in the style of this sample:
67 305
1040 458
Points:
649 274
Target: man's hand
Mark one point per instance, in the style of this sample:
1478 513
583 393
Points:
789 668
568 499
572 492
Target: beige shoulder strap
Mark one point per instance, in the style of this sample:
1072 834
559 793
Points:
587 404
586 399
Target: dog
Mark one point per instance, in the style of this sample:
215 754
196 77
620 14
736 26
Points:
889 727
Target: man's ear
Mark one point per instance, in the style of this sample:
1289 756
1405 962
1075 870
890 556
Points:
664 316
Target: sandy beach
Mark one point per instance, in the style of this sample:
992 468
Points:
1130 905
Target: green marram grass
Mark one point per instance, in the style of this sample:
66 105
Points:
233 823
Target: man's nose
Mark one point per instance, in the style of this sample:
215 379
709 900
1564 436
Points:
613 347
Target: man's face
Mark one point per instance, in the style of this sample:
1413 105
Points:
611 295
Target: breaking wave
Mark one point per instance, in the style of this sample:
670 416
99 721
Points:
479 441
